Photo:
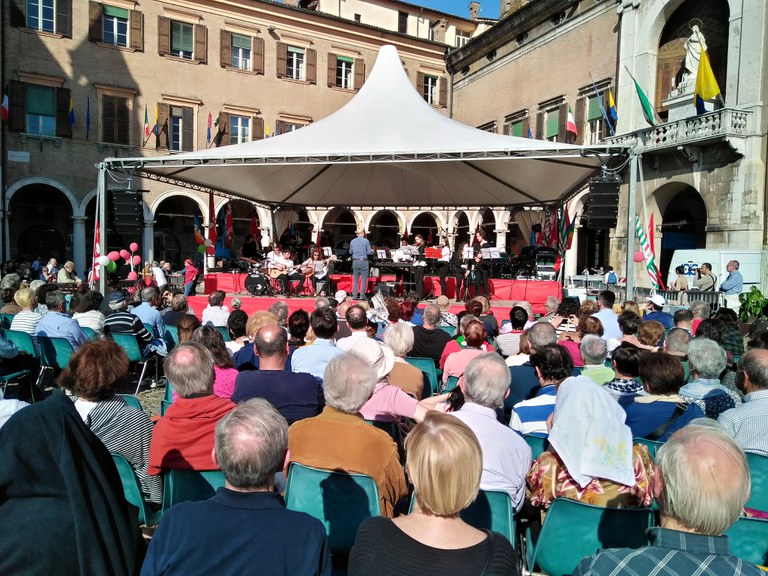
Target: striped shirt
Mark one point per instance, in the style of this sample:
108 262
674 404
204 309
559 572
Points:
27 321
126 431
530 416
126 323
216 315
748 422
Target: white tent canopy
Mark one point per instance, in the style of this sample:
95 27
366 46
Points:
386 147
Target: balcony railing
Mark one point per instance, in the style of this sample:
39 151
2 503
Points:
721 124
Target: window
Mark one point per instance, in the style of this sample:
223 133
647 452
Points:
595 120
240 129
488 127
181 129
402 22
552 125
115 26
516 124
344 72
461 38
358 18
429 89
182 39
41 15
115 119
241 52
41 110
295 63
283 126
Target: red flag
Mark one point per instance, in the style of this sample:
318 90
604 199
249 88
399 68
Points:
95 266
5 108
429 238
652 243
229 227
254 228
211 220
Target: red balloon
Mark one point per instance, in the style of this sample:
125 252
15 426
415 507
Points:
136 260
114 256
638 256
211 250
132 276
134 247
125 254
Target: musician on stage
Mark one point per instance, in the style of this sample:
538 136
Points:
444 264
481 264
316 267
461 272
279 266
418 267
250 248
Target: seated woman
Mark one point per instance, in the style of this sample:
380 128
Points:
399 337
444 462
486 315
475 335
626 365
591 457
27 319
186 326
87 307
707 360
650 333
223 367
572 342
95 373
524 353
733 339
661 411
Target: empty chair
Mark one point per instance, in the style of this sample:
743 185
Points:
56 352
132 490
758 472
136 357
748 540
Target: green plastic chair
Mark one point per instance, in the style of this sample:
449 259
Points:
652 445
339 500
190 485
90 332
136 357
758 470
537 443
23 342
224 331
150 329
171 337
131 400
426 365
133 494
167 398
5 320
492 510
450 330
573 530
453 381
55 352
748 539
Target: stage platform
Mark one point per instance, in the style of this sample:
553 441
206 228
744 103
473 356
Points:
502 290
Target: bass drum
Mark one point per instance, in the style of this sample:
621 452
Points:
257 284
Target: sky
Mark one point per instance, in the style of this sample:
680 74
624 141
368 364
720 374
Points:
488 8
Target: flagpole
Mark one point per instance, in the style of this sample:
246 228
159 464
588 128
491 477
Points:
602 108
631 215
101 205
653 108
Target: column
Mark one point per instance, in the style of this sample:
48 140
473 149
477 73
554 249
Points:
572 255
7 237
79 257
148 248
501 238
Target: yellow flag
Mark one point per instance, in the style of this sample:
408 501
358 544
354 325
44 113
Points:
706 83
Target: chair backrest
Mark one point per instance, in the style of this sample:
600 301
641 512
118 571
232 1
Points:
450 330
748 539
56 352
167 398
453 381
129 343
537 443
131 400
758 471
132 490
90 332
150 329
22 340
339 500
652 445
171 336
426 365
492 510
5 320
573 530
186 485
224 331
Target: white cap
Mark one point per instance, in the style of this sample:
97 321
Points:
340 296
657 299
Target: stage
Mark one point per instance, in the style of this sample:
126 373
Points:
502 290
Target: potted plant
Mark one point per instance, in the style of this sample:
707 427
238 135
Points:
753 305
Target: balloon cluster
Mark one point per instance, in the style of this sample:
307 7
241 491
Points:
109 261
205 246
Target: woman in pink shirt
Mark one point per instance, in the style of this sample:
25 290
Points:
474 337
223 368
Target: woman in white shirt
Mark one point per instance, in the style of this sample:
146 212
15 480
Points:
86 306
444 264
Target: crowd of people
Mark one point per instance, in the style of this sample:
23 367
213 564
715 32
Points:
304 387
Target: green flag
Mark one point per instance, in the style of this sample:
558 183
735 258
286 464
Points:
645 104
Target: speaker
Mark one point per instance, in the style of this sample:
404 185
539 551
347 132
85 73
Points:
126 212
603 206
386 289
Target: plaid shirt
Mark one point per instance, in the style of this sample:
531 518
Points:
671 553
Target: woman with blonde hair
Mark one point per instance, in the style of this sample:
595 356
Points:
28 319
650 333
444 463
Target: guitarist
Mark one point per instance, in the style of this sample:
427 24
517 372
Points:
279 267
315 267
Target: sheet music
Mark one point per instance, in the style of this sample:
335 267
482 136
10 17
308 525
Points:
381 254
489 253
327 251
468 253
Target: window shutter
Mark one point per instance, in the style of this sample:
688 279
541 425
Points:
187 129
562 116
311 66
201 44
226 49
123 124
63 127
161 139
258 55
17 119
579 117
64 19
443 91
605 132
540 126
420 84
282 50
222 125
18 13
281 126
94 22
332 63
163 35
526 126
257 128
359 73
137 30
108 118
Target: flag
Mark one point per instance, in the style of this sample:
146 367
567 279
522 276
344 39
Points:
87 116
71 114
229 226
570 123
530 134
605 114
650 264
211 220
706 84
95 266
652 243
612 113
208 133
197 222
254 228
157 120
563 225
548 234
5 109
644 103
266 129
146 123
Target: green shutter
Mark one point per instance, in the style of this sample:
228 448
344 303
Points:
553 124
41 100
345 59
116 12
182 37
517 128
240 41
593 111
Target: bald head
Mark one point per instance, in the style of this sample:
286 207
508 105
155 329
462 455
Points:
271 341
753 371
189 367
356 317
341 310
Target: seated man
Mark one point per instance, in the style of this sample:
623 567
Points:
701 485
120 321
357 321
594 352
339 438
506 456
57 323
313 359
428 340
296 395
508 340
524 378
654 310
216 314
748 422
247 527
183 437
148 314
245 358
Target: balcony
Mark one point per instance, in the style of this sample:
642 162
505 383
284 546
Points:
724 125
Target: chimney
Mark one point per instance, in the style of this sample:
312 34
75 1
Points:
474 10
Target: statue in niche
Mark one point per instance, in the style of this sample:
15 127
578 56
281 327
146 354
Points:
693 47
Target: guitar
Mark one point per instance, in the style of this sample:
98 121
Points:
309 269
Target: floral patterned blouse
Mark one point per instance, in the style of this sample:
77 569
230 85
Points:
548 479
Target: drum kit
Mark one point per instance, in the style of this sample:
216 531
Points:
258 282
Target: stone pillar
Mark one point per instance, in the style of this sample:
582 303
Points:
501 238
148 248
572 255
7 237
82 263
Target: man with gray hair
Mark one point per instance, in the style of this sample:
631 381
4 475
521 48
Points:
676 343
707 361
357 322
594 351
280 310
216 314
148 314
183 437
246 522
748 422
524 379
428 340
506 456
550 305
57 323
339 439
701 484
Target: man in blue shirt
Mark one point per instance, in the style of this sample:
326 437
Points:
314 357
698 503
359 250
57 323
247 527
655 311
732 286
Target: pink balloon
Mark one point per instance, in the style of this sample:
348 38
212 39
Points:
125 254
114 256
638 256
211 250
137 260
134 247
132 276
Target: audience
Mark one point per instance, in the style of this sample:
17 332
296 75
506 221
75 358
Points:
87 311
684 319
27 319
733 339
475 335
594 351
572 341
215 314
707 361
238 337
654 310
428 340
223 367
446 318
608 318
57 323
314 358
509 335
701 311
246 358
524 378
650 333
120 321
186 326
747 422
399 338
459 341
179 309
524 353
626 365
357 321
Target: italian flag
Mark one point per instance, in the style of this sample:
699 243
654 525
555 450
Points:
570 123
146 122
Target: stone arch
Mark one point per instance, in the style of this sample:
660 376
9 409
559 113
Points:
680 216
160 198
47 182
381 230
439 221
338 226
